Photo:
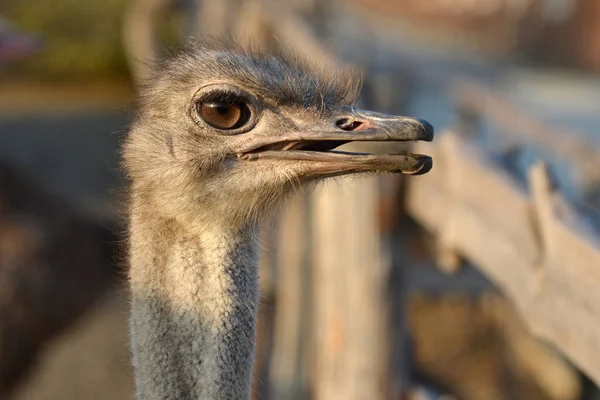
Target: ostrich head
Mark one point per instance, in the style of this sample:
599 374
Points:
224 132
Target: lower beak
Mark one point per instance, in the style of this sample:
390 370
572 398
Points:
316 146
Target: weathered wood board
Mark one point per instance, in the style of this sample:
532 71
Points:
531 245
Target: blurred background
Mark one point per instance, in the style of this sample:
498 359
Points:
477 281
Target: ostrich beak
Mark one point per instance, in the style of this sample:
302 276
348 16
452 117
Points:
316 145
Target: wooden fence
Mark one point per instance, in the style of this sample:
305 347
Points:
532 244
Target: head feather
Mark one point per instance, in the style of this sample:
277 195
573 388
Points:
280 74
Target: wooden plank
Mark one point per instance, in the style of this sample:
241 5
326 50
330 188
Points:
480 207
534 249
351 351
522 128
287 377
569 277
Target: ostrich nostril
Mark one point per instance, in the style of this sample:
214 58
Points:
348 124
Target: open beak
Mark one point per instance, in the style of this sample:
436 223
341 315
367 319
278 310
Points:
317 146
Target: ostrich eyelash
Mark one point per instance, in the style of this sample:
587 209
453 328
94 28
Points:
222 96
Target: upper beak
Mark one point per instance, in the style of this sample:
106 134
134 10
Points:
315 145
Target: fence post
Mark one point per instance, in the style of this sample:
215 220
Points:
287 377
351 350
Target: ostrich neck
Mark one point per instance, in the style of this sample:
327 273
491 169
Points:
194 304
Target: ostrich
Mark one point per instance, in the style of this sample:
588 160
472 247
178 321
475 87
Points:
222 134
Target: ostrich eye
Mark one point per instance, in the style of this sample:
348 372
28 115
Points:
224 114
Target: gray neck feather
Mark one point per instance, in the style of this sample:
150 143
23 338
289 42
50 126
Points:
194 305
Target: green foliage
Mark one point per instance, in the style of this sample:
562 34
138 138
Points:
83 37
